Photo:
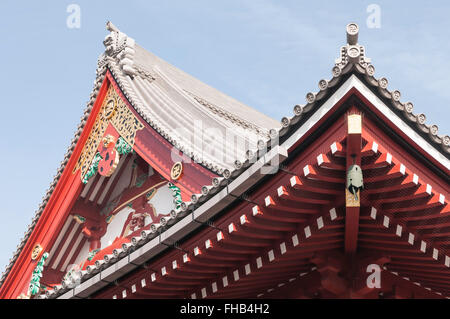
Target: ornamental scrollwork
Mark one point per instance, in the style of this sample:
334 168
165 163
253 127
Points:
113 111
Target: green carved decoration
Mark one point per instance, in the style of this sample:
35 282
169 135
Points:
35 286
123 147
93 168
79 219
141 180
176 192
150 193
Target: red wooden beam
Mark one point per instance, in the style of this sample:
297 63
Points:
353 156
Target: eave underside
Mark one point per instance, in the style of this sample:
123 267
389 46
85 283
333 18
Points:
292 234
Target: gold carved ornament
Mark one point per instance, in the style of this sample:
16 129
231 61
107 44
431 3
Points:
113 111
176 171
36 251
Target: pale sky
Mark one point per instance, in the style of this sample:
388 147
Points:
266 54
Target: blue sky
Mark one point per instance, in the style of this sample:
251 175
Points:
267 54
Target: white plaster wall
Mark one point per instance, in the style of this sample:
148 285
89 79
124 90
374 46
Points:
115 227
162 201
83 253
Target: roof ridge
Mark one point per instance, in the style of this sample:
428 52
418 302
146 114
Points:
224 113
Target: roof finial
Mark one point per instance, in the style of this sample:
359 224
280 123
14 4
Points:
111 27
352 33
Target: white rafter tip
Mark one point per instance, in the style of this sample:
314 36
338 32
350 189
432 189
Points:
333 214
399 230
124 293
306 171
402 169
415 179
271 255
295 240
143 283
197 251
374 147
236 275
429 188
334 148
447 261
441 199
174 264
163 271
307 232
133 289
281 191
193 296
220 236
320 159
153 277
294 181
186 258
373 213
214 287
208 244
386 222
247 269
225 281
269 201
435 254
256 210
243 219
231 228
203 291
411 239
320 223
283 248
389 158
259 262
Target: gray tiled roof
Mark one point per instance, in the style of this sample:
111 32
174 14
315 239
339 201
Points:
164 95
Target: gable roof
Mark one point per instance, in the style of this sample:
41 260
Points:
137 73
163 95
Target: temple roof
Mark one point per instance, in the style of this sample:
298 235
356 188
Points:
151 85
163 95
